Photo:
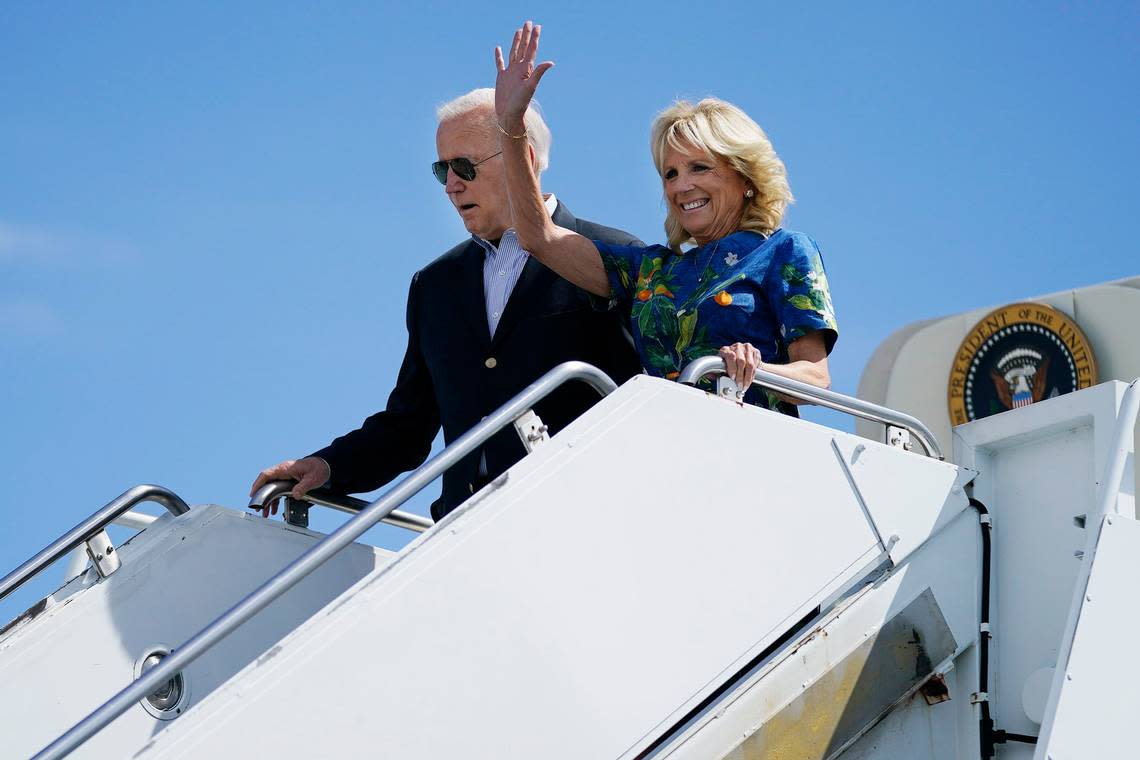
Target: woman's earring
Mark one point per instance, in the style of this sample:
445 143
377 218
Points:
748 193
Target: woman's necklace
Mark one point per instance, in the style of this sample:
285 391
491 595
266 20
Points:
701 270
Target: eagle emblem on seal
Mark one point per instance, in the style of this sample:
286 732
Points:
1020 377
1016 356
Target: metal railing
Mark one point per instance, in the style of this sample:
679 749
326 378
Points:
409 485
708 365
88 529
281 489
1115 467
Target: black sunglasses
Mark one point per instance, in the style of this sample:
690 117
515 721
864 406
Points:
462 167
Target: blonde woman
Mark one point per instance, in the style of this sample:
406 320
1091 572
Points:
747 290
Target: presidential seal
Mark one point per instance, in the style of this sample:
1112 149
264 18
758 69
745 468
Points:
1017 355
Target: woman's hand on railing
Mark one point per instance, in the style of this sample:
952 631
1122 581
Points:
741 360
309 473
807 363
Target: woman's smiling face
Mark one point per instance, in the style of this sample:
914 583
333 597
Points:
705 194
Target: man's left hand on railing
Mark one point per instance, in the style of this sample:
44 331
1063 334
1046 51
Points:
310 473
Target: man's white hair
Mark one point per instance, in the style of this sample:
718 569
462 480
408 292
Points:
483 98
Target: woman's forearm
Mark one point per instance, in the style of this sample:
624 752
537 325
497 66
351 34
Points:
569 254
812 373
807 362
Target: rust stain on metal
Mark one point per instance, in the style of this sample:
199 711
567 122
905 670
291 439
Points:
935 690
851 691
806 728
27 616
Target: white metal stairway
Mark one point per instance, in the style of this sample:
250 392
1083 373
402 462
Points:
606 588
673 575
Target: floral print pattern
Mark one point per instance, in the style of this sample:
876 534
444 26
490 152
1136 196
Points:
767 291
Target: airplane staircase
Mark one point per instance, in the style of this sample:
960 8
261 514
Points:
673 575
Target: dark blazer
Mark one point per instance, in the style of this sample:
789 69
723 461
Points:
454 373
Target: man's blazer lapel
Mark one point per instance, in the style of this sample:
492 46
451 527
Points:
468 290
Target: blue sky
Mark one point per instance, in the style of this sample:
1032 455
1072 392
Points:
210 212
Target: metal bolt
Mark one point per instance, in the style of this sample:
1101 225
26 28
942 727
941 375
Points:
1068 676
1088 597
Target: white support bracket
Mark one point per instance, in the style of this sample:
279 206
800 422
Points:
898 437
727 388
531 430
102 553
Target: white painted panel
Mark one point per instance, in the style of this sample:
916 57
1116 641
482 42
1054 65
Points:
623 569
914 503
1038 468
176 577
1096 708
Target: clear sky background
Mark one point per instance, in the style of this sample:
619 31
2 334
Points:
210 212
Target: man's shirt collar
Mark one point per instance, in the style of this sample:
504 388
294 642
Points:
551 204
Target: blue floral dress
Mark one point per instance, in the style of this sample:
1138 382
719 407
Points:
747 288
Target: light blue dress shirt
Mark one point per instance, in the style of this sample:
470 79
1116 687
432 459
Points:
502 266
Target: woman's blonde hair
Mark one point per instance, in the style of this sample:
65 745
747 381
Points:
723 131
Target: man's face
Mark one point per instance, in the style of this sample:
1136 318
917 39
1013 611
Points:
482 203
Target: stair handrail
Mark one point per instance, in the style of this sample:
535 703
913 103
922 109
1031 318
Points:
90 527
1115 465
709 365
323 497
330 545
